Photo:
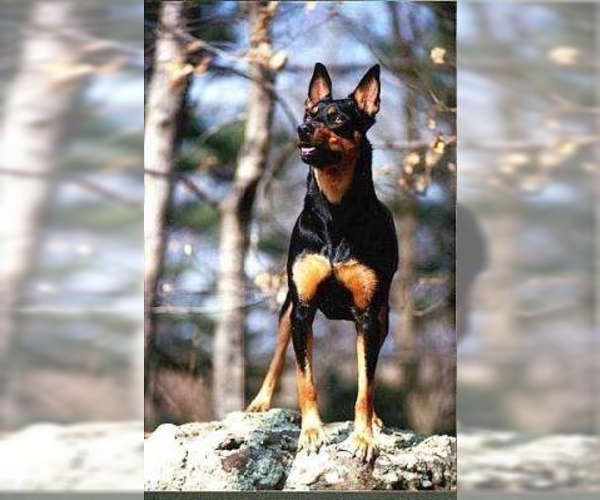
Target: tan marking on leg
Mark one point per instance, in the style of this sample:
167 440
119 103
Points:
262 401
357 278
363 408
383 320
307 273
312 435
361 441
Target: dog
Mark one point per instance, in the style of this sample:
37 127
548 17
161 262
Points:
343 254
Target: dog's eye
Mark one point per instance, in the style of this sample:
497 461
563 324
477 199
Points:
339 119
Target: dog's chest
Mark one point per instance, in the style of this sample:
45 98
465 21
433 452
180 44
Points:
312 273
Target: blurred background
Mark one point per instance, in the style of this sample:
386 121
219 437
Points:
528 160
221 200
71 204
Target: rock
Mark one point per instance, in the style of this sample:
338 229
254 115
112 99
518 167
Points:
258 451
91 456
510 461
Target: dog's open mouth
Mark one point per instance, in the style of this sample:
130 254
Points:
317 155
307 150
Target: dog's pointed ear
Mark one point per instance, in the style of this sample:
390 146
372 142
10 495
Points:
366 94
320 85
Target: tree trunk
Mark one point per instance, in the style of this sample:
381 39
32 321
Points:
406 335
503 333
37 105
166 98
236 215
407 224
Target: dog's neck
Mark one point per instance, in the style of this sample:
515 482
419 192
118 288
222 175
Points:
348 181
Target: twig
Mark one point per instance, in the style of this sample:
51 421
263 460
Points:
81 181
285 107
546 310
508 65
529 144
203 45
191 185
440 304
412 145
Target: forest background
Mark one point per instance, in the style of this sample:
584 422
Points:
71 269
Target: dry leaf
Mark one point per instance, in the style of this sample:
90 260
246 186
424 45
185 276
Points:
515 159
549 159
422 183
278 60
412 159
432 157
565 147
563 55
194 46
203 65
438 55
114 65
67 72
532 183
96 46
438 145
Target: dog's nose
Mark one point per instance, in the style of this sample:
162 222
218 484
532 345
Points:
305 130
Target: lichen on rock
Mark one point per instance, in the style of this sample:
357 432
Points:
258 451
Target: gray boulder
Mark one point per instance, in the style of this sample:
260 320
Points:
512 461
92 456
258 451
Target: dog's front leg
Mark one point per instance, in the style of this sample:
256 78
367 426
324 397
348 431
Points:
312 434
368 343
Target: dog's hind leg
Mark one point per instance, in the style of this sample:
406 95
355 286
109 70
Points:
262 401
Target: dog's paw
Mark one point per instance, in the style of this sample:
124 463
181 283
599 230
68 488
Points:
259 403
311 439
362 446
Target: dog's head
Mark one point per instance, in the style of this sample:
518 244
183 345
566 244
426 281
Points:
333 128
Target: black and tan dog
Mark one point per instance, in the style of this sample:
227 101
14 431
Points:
343 254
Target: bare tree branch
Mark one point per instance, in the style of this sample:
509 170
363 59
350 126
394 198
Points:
412 145
75 179
188 183
531 144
